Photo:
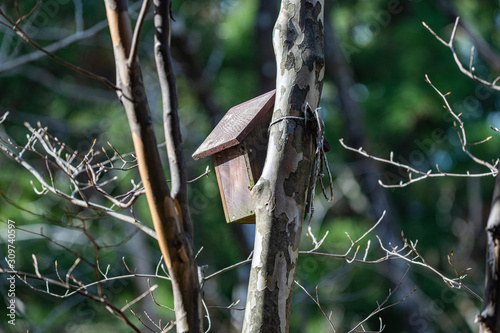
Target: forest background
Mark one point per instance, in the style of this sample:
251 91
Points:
223 56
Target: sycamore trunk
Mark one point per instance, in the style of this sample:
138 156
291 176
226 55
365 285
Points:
281 192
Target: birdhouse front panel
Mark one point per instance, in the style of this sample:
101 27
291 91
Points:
235 182
238 145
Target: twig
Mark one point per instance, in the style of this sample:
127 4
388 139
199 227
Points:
469 72
316 301
224 270
141 296
134 48
65 165
207 315
452 283
14 27
229 307
154 300
207 171
78 288
381 307
23 17
73 289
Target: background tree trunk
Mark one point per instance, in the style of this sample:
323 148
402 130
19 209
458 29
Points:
489 320
281 192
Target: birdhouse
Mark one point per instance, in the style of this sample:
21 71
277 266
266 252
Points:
238 146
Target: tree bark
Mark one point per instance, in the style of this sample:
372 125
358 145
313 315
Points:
489 318
174 243
173 137
281 192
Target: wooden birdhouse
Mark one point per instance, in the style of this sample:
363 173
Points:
238 145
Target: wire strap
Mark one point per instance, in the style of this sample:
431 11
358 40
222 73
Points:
321 163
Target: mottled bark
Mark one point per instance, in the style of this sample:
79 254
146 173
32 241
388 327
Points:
280 193
489 318
174 243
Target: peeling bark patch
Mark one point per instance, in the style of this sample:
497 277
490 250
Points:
291 34
278 137
310 11
256 261
276 279
279 280
262 196
290 61
313 54
298 97
290 184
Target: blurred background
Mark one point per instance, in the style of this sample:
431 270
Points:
374 96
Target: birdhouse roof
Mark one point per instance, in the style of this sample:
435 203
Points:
236 125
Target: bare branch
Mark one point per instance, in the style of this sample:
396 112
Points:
134 48
409 169
14 27
53 157
381 307
462 136
171 122
141 296
316 301
469 72
207 171
408 253
76 287
24 17
459 126
207 315
419 260
227 269
154 300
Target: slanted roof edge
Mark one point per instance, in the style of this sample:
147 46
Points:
234 135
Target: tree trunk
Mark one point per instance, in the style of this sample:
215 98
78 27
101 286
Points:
489 318
174 242
173 137
281 192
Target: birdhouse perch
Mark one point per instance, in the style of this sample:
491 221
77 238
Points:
238 145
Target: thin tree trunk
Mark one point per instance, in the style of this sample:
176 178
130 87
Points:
489 318
174 243
173 137
281 192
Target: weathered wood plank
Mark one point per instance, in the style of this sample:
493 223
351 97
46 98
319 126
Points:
234 185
